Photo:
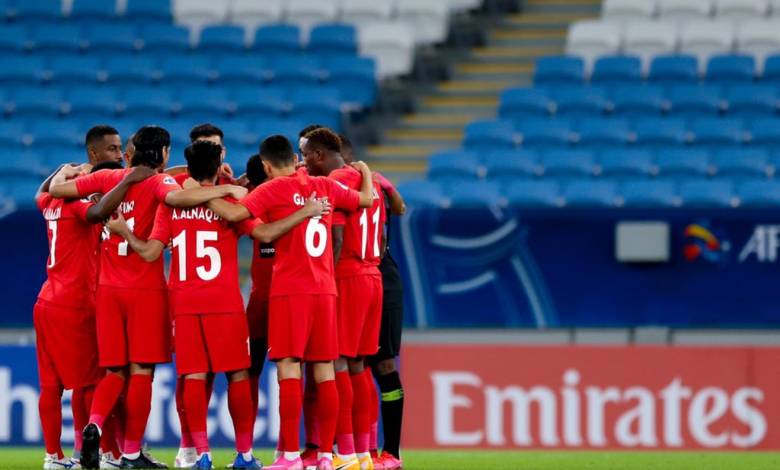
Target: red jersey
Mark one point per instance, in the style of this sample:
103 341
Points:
361 249
182 177
263 256
73 245
204 266
120 266
304 255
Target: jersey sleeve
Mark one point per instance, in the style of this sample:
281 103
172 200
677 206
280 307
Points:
342 197
385 184
80 208
165 184
98 182
256 202
246 226
162 225
43 200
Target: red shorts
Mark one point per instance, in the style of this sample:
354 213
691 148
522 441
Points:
360 315
214 342
66 346
133 326
302 326
257 315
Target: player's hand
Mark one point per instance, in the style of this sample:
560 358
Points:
69 171
117 224
243 181
236 192
314 207
85 168
226 170
139 174
361 167
190 183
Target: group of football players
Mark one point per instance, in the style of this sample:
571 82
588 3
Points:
325 303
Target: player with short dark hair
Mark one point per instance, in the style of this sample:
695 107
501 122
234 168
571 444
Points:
128 346
103 144
210 133
129 150
356 249
304 131
303 291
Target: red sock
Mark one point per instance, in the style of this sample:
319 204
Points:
137 407
290 402
108 440
186 439
120 420
254 392
344 436
50 411
360 415
196 407
80 403
310 422
240 406
327 413
373 412
106 394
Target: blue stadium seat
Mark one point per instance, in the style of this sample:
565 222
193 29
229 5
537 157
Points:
741 163
92 102
22 70
74 70
93 10
22 190
518 104
222 39
14 39
453 164
475 194
288 128
648 193
16 161
238 135
695 101
422 193
55 133
545 133
759 193
568 163
11 133
260 103
599 133
167 39
143 101
559 70
149 10
280 39
355 78
319 104
201 101
124 70
731 69
617 70
183 70
511 165
678 162
296 72
118 38
534 194
333 39
241 70
638 101
627 163
36 102
772 69
38 10
660 132
589 193
765 132
55 37
751 101
707 193
487 135
718 133
580 102
674 70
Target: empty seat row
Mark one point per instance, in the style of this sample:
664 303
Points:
646 40
513 165
588 193
682 10
87 10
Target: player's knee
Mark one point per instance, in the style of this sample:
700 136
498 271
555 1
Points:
356 365
237 375
341 364
141 369
384 367
324 371
199 376
288 368
120 372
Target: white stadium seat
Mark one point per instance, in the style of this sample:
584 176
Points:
390 44
429 19
739 10
685 10
361 11
197 13
706 38
252 13
629 10
648 39
463 5
759 38
307 13
591 39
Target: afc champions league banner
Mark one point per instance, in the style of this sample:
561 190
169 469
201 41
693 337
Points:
556 397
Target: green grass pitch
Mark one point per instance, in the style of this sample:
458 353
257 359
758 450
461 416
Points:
32 458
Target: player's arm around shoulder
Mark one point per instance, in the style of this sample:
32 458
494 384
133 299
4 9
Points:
366 185
111 200
62 184
195 195
313 207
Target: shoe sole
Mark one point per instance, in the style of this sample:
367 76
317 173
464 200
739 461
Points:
90 447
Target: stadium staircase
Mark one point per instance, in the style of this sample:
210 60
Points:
514 43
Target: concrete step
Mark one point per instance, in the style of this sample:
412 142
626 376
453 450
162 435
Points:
399 171
443 120
459 104
539 37
409 135
543 21
401 153
514 53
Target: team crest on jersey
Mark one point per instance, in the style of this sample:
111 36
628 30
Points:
169 180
